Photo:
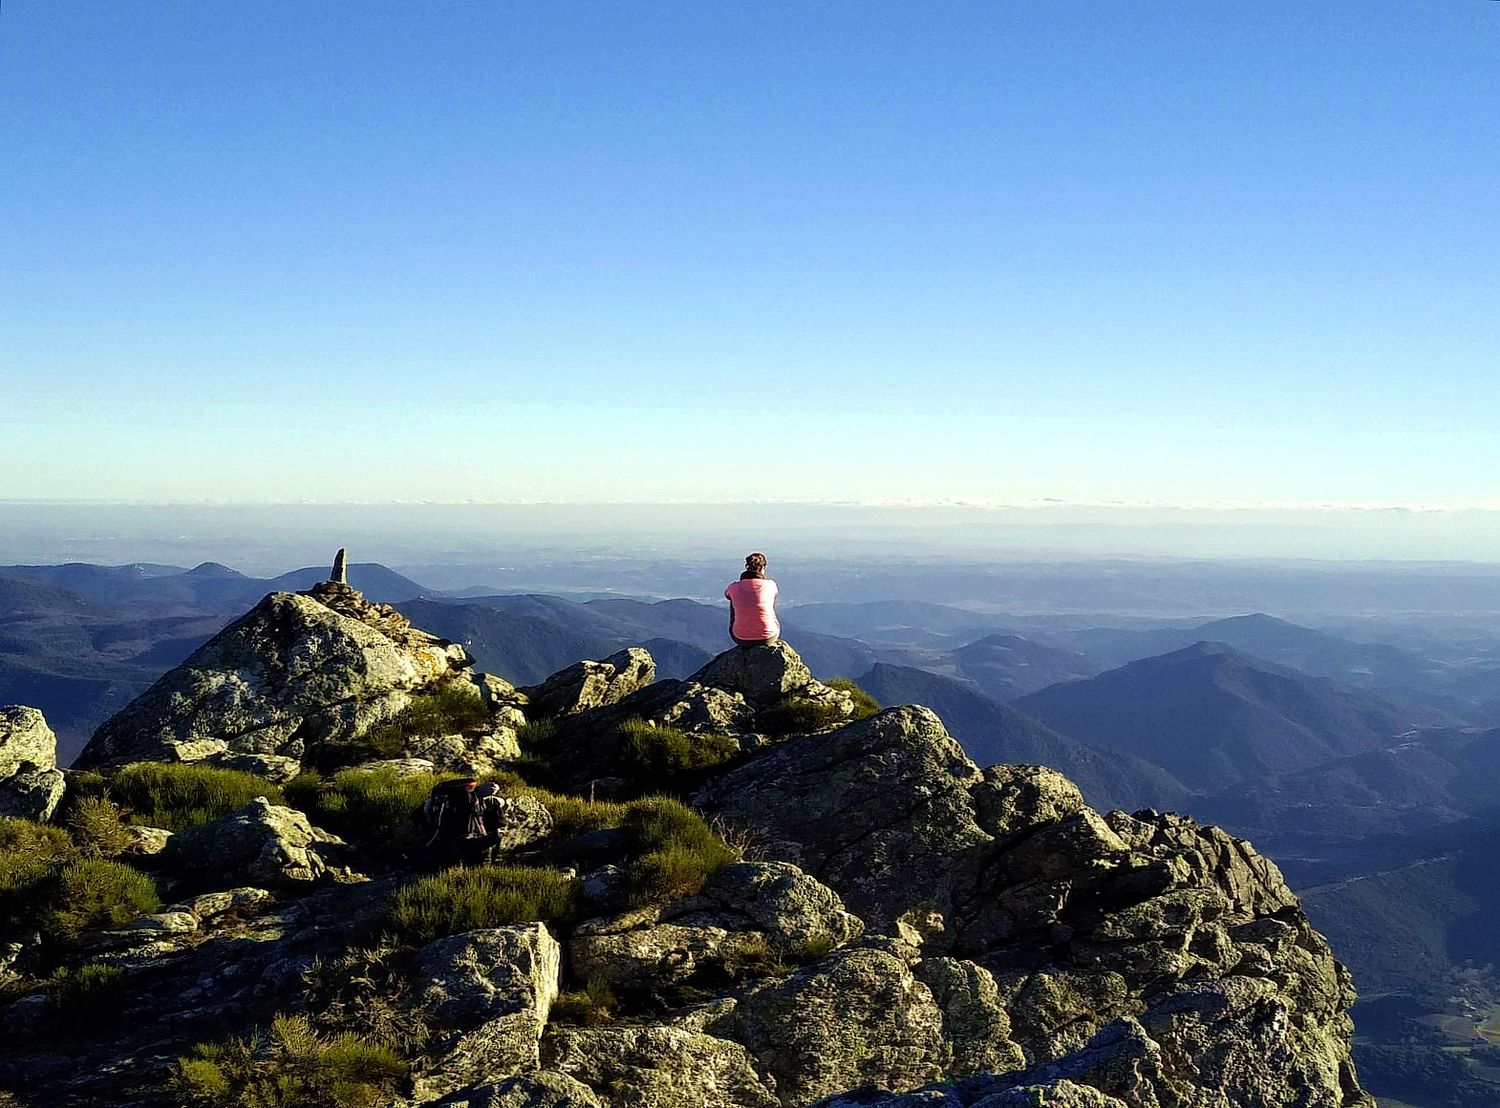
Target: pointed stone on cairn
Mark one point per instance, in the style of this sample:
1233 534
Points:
340 573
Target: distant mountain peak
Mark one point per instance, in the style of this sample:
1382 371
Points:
213 569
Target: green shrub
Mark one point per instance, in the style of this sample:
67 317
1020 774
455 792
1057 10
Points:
592 1005
751 958
177 796
448 711
677 850
98 828
365 805
83 995
292 1067
458 900
29 851
652 751
799 715
573 815
30 856
812 949
865 705
96 893
537 735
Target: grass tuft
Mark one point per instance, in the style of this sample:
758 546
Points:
865 705
95 893
458 900
590 1006
177 796
647 750
366 806
677 851
291 1067
98 828
430 715
799 715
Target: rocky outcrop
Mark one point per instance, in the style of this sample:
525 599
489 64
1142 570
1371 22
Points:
299 671
586 685
488 992
768 674
857 1018
261 844
1145 956
909 930
31 785
750 910
659 1066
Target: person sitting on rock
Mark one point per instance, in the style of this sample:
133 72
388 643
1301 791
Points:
752 605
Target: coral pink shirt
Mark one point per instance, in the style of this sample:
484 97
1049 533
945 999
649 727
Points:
753 601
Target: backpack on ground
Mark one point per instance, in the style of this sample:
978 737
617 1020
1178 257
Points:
455 811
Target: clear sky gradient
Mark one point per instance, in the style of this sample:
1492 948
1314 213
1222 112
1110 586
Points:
1182 251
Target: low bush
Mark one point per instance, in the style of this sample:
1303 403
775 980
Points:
429 715
753 958
865 705
799 715
676 849
98 828
95 893
590 1006
82 997
30 856
29 851
364 805
537 735
177 796
651 751
292 1067
458 900
372 988
573 815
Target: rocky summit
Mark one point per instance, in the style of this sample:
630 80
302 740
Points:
298 674
748 888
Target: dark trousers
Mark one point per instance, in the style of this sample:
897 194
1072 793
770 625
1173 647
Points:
753 642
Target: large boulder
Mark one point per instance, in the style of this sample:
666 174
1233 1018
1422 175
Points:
31 785
878 809
761 674
539 1089
262 844
297 671
764 910
1143 945
860 1018
654 1066
586 685
25 737
487 994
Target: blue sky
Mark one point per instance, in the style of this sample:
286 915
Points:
1181 252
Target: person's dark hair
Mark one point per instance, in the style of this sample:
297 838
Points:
755 566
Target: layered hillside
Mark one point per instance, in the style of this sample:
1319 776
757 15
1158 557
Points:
1214 717
739 888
